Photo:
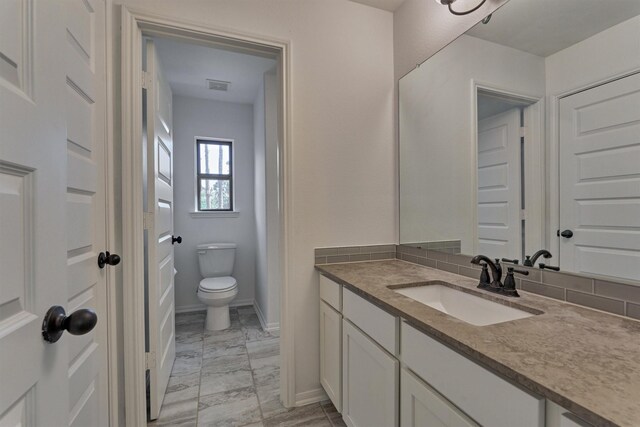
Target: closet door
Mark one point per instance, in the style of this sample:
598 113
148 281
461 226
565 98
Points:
600 180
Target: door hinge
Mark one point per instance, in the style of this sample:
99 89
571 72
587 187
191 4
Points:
523 131
146 80
147 220
149 360
523 215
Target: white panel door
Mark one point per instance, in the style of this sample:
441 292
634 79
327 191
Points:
600 180
369 381
159 224
52 203
499 204
85 113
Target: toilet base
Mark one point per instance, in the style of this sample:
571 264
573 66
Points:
217 318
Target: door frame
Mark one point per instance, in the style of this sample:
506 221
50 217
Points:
135 23
534 158
553 159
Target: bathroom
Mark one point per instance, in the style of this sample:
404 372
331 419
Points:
370 213
211 193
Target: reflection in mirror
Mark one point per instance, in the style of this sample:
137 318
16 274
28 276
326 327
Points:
524 134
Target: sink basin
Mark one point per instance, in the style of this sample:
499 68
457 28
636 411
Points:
462 305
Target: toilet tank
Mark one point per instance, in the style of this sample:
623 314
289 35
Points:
216 259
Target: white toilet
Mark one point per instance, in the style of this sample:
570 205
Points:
218 288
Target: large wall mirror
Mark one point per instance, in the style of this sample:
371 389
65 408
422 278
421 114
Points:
524 134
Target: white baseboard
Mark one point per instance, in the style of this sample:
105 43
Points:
268 327
241 302
311 396
201 307
190 308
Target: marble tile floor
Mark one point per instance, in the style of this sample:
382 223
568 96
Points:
232 378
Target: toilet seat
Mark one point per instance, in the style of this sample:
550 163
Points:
217 284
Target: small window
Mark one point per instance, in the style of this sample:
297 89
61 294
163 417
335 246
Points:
214 175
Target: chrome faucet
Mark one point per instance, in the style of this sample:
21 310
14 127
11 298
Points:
496 271
530 261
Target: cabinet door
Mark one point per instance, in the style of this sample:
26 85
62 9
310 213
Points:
421 406
331 353
369 381
557 416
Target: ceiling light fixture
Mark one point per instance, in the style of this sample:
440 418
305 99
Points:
455 12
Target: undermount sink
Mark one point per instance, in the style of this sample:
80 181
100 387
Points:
462 305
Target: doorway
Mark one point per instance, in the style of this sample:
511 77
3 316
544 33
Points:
211 284
250 321
509 182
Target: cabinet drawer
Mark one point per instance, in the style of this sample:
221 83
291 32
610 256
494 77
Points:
369 381
421 406
375 322
331 292
484 396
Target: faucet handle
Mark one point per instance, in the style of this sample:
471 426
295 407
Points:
509 288
549 267
512 261
484 276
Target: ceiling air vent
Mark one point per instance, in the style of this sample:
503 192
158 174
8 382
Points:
218 85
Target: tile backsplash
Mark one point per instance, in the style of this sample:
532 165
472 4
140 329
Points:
354 253
447 246
607 295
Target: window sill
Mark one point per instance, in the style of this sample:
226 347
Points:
221 214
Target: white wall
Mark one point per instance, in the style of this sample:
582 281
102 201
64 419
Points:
436 101
342 141
265 119
204 118
612 52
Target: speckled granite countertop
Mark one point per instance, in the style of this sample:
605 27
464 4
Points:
582 359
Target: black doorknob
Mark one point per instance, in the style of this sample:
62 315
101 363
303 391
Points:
175 239
108 258
77 323
567 234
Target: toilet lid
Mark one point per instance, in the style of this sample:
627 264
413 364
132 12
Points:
217 284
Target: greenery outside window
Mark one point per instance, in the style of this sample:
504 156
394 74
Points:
214 175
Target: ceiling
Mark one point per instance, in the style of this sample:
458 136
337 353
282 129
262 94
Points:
390 5
544 27
187 67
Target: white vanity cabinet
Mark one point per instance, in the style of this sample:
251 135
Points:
331 353
421 406
331 340
557 416
361 349
369 381
484 396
